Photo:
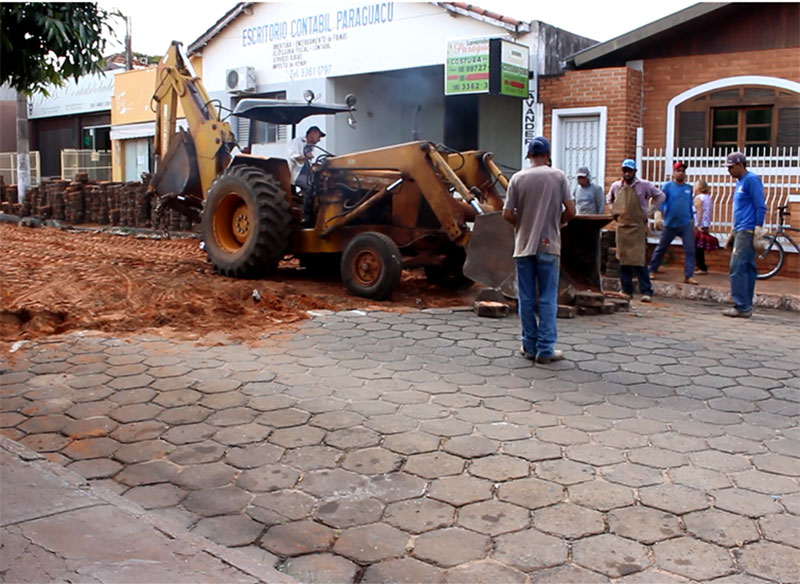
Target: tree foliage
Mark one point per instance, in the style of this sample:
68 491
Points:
48 43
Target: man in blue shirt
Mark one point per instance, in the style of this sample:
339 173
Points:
678 221
748 213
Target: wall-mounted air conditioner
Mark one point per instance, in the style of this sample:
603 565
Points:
240 80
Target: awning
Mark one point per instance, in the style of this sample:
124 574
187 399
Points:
141 130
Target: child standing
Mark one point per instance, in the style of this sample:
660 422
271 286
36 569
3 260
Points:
704 209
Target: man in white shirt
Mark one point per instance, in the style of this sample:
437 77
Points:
301 152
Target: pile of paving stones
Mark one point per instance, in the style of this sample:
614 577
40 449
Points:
86 201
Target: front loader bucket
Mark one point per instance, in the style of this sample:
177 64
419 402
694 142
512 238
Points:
177 173
490 253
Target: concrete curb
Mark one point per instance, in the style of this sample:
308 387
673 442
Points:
73 481
707 293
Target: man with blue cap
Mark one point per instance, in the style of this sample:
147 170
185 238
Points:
538 203
630 199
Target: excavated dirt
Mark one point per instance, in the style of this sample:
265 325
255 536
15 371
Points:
56 281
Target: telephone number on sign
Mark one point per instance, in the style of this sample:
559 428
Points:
310 71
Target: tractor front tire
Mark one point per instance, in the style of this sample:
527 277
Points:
371 265
245 223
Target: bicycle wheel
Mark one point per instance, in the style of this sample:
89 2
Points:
769 261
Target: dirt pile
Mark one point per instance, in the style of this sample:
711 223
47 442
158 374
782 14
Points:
55 281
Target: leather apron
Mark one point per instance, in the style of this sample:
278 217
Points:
631 227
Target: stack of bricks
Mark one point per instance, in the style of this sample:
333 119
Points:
83 201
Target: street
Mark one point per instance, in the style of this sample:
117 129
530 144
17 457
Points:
370 446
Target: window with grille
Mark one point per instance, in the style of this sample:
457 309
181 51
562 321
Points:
251 132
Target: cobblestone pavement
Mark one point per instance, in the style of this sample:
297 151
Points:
419 447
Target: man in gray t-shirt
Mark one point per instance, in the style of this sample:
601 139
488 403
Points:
589 197
538 202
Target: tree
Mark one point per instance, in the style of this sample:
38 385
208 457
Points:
45 44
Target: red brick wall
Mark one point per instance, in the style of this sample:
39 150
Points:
666 78
617 88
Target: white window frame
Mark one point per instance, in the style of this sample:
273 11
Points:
559 114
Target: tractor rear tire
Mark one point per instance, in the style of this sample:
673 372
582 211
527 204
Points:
450 274
245 223
371 265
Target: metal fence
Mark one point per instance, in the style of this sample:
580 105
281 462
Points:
8 167
96 163
779 169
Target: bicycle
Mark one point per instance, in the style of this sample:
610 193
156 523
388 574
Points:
770 260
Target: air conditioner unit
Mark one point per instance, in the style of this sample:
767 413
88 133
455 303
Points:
240 80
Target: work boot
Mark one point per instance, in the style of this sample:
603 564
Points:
701 272
691 281
647 298
556 356
527 355
734 312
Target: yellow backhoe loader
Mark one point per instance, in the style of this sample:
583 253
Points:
377 211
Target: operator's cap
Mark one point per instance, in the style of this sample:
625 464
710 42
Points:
629 163
321 133
735 158
583 171
679 164
538 146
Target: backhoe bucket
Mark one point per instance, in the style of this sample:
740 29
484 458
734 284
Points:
490 254
177 172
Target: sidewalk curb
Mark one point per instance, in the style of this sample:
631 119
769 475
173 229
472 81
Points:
788 302
233 558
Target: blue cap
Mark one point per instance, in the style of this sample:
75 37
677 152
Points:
538 146
629 163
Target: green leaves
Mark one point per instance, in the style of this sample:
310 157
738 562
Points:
45 44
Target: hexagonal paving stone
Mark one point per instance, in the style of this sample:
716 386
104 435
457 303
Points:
772 561
372 461
485 571
136 431
90 448
206 476
655 576
155 496
293 505
411 443
198 453
500 468
396 486
327 483
348 438
744 502
246 434
222 501
504 431
493 518
643 524
673 498
766 483
611 555
371 543
532 450
434 465
633 475
229 530
657 457
595 455
271 477
298 538
530 550
451 546
531 493
147 473
781 529
778 464
565 472
569 573
699 478
692 558
142 451
336 420
47 423
188 433
419 515
720 461
402 571
351 512
567 520
460 490
93 427
721 528
96 468
600 495
470 446
254 455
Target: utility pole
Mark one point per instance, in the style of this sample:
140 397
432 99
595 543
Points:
128 52
23 147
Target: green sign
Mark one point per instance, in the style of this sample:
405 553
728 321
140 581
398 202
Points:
467 67
513 69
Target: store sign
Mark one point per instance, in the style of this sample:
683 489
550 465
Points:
494 66
91 93
467 67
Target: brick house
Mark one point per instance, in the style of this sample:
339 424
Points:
707 80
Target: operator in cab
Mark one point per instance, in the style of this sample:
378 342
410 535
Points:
301 154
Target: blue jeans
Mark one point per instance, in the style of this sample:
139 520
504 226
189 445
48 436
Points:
743 271
540 270
686 233
626 279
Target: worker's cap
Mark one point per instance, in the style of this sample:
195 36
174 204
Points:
321 133
735 158
583 171
629 163
679 164
538 146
